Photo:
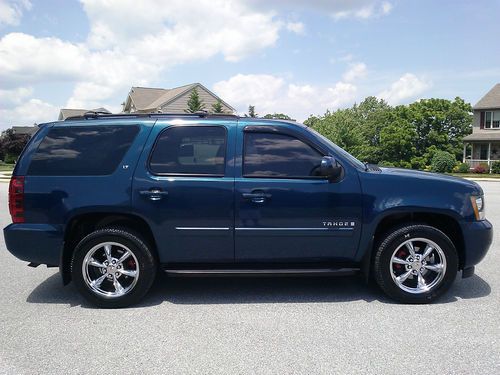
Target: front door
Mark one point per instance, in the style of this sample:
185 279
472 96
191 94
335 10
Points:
284 211
186 191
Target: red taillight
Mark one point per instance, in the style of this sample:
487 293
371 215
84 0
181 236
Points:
16 199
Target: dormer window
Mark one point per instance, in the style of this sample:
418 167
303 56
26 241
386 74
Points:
492 120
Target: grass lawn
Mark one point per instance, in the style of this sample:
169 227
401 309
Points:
476 175
6 167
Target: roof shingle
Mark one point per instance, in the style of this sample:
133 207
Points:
491 100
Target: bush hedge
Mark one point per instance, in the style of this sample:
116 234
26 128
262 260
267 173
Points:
443 162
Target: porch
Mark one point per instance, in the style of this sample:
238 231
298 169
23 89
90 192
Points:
481 148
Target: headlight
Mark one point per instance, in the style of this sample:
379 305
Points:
478 207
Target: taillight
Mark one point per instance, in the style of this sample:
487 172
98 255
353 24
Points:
16 199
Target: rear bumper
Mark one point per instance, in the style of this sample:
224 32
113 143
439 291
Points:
37 243
477 240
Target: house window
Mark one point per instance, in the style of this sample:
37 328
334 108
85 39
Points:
496 119
492 120
483 152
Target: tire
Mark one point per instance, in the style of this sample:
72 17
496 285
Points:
113 267
421 277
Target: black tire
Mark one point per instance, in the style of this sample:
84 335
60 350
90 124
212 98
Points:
142 261
384 268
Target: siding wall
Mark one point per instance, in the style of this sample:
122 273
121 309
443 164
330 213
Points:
476 122
180 104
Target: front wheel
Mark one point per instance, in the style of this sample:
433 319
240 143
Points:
113 267
415 264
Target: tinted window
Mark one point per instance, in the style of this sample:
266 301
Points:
277 155
193 150
82 150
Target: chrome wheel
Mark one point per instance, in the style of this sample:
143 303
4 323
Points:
110 269
418 265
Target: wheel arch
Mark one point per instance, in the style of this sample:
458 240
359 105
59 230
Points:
444 222
81 225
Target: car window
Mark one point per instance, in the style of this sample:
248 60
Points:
279 155
191 150
82 150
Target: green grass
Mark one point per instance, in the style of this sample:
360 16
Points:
476 175
6 167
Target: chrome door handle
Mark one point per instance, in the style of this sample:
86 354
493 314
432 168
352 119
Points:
256 197
154 194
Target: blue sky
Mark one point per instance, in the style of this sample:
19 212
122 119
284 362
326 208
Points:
296 57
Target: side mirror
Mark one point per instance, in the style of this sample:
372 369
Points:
330 168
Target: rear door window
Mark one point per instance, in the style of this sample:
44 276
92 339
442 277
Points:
190 150
82 150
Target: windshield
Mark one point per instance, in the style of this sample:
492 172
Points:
338 149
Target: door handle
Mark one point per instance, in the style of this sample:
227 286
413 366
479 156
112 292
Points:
154 194
256 197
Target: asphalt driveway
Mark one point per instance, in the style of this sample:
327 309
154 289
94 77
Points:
253 326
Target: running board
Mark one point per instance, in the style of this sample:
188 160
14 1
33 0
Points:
264 272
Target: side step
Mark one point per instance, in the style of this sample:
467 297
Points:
262 272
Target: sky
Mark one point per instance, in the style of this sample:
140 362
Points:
282 56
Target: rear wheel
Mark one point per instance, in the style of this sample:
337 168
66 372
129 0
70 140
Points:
113 267
415 264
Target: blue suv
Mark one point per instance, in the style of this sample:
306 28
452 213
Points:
112 199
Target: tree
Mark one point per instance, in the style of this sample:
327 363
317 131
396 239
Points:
251 111
406 135
278 116
397 143
195 104
12 144
217 107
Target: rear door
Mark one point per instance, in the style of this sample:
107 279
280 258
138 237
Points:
284 211
184 188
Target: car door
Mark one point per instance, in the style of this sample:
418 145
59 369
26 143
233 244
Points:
284 211
184 188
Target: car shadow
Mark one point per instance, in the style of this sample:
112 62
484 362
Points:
248 290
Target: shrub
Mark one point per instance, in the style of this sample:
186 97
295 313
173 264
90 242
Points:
495 167
481 168
462 168
443 162
387 164
10 159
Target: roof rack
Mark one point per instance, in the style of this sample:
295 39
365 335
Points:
104 115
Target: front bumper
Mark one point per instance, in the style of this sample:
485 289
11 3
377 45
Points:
478 236
36 243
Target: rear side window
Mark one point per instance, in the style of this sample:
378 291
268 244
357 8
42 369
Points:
82 150
190 150
279 155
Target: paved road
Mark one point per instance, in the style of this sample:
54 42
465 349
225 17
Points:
254 326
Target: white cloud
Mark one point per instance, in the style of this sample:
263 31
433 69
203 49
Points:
270 94
29 112
13 97
386 7
356 70
11 11
132 43
296 27
338 9
409 86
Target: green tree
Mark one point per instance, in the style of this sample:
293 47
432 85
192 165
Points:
251 111
341 128
397 143
195 104
278 116
217 107
11 144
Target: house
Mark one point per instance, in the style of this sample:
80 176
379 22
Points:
64 113
25 130
147 99
485 138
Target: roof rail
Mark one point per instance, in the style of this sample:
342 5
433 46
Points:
103 115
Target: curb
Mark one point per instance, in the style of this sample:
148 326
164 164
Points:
483 179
